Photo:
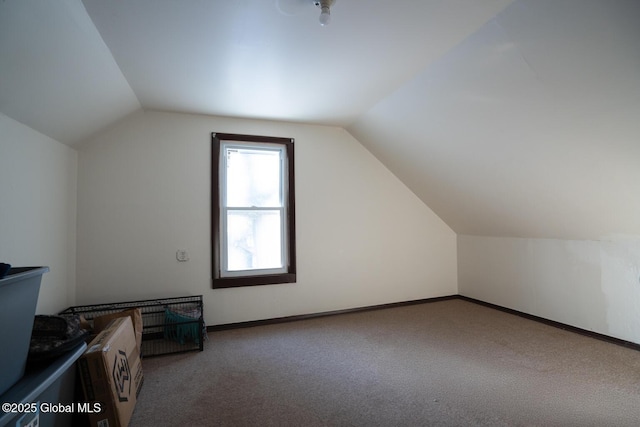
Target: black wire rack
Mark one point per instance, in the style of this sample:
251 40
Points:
169 325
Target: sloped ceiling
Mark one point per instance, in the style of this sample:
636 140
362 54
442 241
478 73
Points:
56 74
529 128
506 118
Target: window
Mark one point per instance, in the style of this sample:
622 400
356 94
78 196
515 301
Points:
253 210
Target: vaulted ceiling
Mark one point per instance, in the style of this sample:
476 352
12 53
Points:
507 118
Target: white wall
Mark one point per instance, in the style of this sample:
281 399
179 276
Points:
144 191
38 210
593 285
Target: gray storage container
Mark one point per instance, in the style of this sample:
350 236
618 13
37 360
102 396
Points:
46 395
18 299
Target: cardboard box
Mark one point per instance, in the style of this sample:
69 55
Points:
111 374
101 322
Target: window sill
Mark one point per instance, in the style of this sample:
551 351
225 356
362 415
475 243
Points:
234 282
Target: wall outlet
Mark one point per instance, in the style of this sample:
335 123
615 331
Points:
182 255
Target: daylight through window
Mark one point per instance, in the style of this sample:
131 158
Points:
253 210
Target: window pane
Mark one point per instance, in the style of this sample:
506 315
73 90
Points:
253 240
253 177
253 210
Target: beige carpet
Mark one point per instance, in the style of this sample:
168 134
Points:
448 363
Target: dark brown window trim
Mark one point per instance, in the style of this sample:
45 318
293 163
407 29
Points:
254 280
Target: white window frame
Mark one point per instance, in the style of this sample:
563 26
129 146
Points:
224 209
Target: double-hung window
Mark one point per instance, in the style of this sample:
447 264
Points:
253 210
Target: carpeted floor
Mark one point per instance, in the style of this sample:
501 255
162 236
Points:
447 363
